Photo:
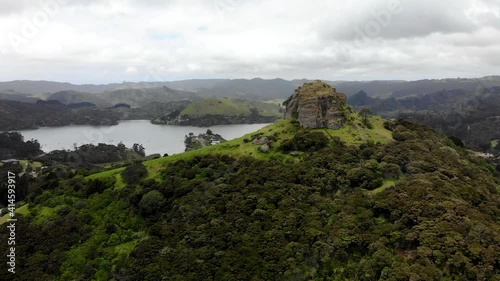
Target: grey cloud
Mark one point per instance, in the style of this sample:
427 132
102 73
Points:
273 38
414 19
14 7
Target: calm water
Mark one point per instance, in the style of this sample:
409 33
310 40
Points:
155 138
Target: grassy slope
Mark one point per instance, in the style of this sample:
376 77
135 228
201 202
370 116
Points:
229 107
353 134
494 143
23 210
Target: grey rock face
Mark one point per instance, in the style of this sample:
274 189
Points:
317 105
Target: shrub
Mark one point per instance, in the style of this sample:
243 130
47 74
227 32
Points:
96 186
389 125
457 141
305 141
134 173
151 202
390 170
364 178
401 134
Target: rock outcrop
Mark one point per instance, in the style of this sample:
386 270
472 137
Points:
317 105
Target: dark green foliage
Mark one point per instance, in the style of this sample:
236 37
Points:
12 145
139 149
96 186
307 141
134 173
22 183
273 221
151 202
469 115
390 170
214 217
365 114
88 156
364 178
44 246
457 141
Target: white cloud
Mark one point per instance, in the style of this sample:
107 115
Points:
82 41
131 70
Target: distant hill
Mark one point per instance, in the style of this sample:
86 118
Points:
399 89
18 116
41 87
144 96
132 97
73 97
472 116
13 96
223 111
261 88
230 107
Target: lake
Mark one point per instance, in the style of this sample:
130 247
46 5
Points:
155 138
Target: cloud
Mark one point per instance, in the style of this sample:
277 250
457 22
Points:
181 39
131 70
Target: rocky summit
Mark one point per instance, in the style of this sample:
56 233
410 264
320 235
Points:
317 105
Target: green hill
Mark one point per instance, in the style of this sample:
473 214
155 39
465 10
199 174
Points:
230 107
389 201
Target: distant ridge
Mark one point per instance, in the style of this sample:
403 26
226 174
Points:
261 88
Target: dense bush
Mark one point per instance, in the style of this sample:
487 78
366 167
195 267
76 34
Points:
151 202
308 141
13 145
134 173
326 216
96 186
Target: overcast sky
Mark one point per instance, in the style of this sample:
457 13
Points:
102 41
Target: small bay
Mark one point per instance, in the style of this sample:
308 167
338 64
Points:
155 138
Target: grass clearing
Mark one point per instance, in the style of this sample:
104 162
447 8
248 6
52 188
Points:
23 210
356 134
385 185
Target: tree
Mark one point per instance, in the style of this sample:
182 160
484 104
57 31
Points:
365 114
139 149
151 202
134 173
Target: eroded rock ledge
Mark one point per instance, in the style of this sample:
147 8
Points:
317 105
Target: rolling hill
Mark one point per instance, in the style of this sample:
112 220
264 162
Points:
258 88
230 107
390 201
223 111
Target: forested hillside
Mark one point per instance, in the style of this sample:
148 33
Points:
347 204
472 117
